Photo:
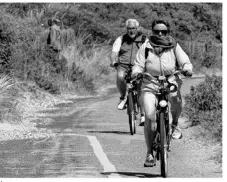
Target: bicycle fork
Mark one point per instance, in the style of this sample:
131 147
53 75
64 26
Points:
156 142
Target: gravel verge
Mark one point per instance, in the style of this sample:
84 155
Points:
29 107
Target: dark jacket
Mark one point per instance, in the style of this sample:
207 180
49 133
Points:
129 49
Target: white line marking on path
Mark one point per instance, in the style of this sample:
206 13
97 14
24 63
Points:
70 134
103 159
107 166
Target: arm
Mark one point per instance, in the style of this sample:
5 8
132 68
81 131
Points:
115 51
139 61
113 58
183 59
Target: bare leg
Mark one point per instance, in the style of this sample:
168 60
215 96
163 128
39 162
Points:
176 107
121 83
141 102
176 103
150 126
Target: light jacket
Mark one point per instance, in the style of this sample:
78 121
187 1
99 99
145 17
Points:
163 64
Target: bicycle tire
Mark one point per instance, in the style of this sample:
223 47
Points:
163 147
131 114
137 109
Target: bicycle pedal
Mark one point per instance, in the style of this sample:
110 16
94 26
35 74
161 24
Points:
157 156
155 161
168 149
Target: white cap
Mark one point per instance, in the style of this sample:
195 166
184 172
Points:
132 23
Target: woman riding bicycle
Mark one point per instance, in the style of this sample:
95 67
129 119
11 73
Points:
161 55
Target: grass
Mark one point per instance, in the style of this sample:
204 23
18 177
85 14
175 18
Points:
8 100
85 65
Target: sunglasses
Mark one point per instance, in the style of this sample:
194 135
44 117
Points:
164 32
131 28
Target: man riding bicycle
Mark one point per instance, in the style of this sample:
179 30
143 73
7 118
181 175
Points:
123 55
161 55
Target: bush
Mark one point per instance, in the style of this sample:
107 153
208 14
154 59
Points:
209 60
47 85
203 105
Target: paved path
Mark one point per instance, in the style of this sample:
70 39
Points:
90 138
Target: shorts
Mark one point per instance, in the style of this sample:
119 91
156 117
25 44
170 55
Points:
154 86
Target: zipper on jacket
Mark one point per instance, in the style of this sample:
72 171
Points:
159 56
131 55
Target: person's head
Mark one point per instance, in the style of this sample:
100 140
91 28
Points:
132 26
50 22
57 22
160 28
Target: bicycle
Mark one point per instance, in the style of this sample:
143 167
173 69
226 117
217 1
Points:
132 102
163 136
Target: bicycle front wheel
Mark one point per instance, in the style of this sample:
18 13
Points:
131 114
163 147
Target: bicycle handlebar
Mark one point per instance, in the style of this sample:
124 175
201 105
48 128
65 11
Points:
150 77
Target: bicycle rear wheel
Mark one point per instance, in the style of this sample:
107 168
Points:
137 109
163 147
131 114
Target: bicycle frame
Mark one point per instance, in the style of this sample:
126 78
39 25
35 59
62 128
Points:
132 88
162 98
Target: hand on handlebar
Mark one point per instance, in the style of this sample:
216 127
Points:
187 73
113 65
139 76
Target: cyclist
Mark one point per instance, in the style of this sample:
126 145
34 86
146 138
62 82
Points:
163 56
123 54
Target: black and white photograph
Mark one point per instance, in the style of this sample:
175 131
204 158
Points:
118 89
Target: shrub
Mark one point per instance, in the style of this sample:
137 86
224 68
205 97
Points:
209 60
206 96
203 105
47 85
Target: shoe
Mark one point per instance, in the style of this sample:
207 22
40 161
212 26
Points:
122 103
149 162
176 132
142 120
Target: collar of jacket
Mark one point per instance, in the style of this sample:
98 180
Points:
138 37
164 42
